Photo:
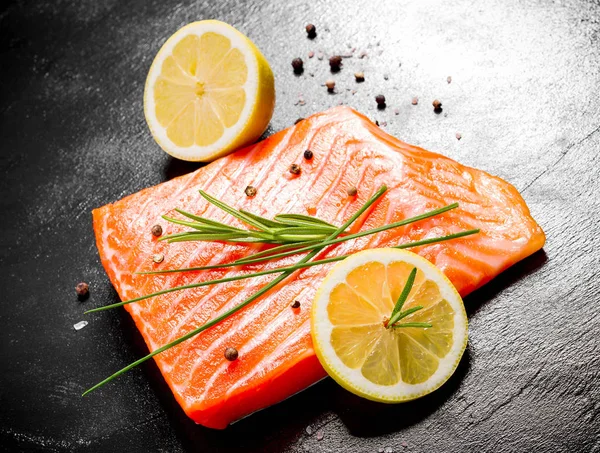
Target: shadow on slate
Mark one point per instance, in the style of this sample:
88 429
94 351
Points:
174 168
365 418
506 279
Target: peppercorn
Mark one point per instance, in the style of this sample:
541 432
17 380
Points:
156 230
308 154
330 84
83 290
335 63
352 191
458 136
296 304
380 99
298 120
231 354
376 122
311 31
295 169
437 106
250 191
298 65
158 258
359 76
415 101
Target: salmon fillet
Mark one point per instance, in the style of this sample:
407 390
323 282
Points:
276 357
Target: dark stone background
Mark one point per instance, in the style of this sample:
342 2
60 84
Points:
525 97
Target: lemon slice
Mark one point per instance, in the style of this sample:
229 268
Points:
350 334
208 92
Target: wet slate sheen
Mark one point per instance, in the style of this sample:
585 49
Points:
524 97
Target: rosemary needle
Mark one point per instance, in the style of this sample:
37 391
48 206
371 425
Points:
273 271
241 305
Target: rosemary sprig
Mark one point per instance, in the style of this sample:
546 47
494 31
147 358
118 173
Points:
284 229
278 270
269 255
398 314
247 301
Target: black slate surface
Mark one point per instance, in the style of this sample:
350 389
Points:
524 95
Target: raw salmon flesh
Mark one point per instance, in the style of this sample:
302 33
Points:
276 357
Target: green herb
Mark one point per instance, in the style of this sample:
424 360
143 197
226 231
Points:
398 314
299 248
286 229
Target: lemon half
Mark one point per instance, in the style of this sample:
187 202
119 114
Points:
209 91
350 337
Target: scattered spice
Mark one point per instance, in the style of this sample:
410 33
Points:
415 101
458 136
352 191
298 65
311 54
353 92
296 304
362 54
386 77
231 354
250 191
309 430
158 258
298 120
320 55
380 99
449 79
319 435
295 169
335 63
156 230
308 154
437 106
396 111
83 290
376 123
311 31
330 84
359 76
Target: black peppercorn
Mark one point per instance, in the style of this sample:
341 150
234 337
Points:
295 169
250 191
352 191
298 65
296 304
359 76
83 290
156 230
335 63
437 106
231 354
311 31
308 154
380 99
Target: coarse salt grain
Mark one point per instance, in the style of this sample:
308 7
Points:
80 325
